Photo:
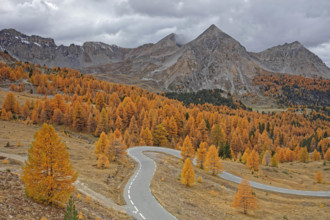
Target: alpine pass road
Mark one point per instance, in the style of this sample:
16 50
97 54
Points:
141 204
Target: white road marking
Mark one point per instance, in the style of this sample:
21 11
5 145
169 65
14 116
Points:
136 208
142 216
129 196
129 191
132 202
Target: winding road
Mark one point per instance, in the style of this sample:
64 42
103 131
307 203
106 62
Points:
141 204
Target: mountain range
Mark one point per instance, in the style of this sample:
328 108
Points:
212 60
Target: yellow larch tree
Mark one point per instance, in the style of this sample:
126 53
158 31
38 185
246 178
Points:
101 145
318 177
245 155
244 197
303 155
146 136
103 161
10 103
116 150
218 135
48 175
327 155
274 162
187 150
316 155
102 125
253 161
213 162
188 174
201 154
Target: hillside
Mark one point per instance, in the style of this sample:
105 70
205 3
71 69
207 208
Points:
214 60
81 107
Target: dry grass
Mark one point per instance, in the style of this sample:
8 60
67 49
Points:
15 205
212 198
109 182
293 175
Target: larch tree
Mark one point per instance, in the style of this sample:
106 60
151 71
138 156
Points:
48 175
188 174
116 150
316 155
79 118
99 101
213 162
266 160
303 155
103 161
236 142
172 128
274 162
103 124
187 150
101 145
245 155
91 123
160 136
133 131
146 136
57 117
327 155
244 197
318 177
10 103
218 136
201 154
253 161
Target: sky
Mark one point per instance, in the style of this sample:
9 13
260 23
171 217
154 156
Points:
256 24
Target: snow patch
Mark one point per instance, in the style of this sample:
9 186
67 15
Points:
37 44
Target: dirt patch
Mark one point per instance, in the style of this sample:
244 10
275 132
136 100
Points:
212 198
15 205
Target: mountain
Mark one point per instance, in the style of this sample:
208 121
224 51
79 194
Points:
292 58
214 60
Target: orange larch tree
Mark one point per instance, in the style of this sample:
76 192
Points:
101 145
188 174
303 155
48 174
316 155
318 177
187 150
201 154
116 150
244 197
102 125
10 103
213 162
253 161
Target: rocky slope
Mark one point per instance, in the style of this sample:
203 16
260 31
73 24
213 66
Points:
212 60
292 58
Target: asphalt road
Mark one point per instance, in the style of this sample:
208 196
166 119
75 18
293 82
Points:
141 204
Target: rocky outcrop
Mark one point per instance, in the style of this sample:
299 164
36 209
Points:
213 60
292 58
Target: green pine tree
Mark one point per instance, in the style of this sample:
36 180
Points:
224 151
71 212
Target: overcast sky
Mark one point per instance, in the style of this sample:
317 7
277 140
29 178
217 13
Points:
256 24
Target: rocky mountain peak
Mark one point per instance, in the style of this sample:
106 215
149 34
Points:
292 58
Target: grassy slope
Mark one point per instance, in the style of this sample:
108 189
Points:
212 199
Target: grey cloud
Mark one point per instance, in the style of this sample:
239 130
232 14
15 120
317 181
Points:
257 24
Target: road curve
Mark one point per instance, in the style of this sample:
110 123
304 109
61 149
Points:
142 204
